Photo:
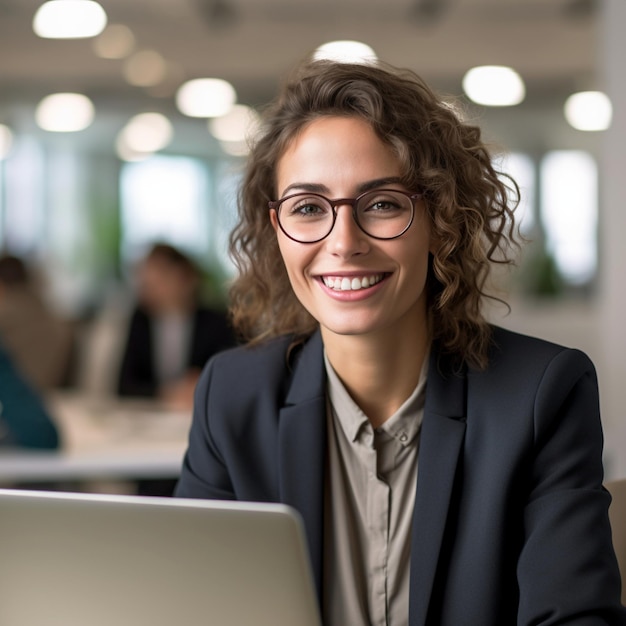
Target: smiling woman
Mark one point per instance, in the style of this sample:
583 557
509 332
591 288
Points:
369 219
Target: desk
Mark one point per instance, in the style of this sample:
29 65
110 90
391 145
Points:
104 439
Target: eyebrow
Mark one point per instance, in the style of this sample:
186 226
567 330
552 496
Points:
361 188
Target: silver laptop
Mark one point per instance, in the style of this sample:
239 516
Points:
94 560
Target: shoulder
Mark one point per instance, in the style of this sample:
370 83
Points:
527 375
521 355
252 370
245 358
251 384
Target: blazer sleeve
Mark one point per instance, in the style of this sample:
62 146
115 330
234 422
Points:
204 474
567 570
233 449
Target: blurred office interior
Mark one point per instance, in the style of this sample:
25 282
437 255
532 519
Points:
83 204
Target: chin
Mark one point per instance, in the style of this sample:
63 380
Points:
348 328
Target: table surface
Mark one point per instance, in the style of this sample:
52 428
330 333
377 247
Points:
104 438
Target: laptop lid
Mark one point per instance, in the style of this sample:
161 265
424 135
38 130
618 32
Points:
100 560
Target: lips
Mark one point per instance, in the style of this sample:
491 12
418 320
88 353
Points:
351 283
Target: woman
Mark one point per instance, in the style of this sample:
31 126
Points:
448 472
171 333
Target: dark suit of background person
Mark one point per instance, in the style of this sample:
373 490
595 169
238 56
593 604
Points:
510 523
24 420
210 334
168 287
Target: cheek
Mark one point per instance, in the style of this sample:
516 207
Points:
296 259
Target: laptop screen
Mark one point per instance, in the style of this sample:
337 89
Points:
94 560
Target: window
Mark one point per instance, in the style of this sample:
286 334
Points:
569 213
23 197
164 198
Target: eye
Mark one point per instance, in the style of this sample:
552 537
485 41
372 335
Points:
305 207
382 204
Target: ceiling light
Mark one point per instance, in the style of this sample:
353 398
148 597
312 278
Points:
147 132
174 76
145 68
206 97
116 42
64 112
236 130
345 52
494 85
126 153
589 110
239 124
235 148
69 19
6 141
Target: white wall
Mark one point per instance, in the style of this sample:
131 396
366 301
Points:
613 238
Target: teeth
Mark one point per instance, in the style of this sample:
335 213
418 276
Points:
351 284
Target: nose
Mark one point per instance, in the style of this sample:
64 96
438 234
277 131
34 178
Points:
346 238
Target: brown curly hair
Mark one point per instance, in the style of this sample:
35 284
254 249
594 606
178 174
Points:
470 204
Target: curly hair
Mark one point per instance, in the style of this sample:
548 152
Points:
470 205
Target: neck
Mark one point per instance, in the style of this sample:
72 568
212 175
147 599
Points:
380 372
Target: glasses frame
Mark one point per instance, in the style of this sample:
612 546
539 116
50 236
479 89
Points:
412 195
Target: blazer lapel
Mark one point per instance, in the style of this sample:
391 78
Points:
302 447
443 432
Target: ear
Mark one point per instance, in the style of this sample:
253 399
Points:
433 245
274 219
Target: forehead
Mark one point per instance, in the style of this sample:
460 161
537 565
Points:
335 150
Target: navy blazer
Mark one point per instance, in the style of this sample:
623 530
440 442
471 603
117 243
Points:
510 523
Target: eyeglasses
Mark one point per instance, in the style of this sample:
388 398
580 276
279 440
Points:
381 214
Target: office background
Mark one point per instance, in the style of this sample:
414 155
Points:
84 210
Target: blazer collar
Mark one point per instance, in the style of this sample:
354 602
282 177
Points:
302 447
441 443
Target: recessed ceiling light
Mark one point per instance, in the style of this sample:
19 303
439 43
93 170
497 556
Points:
494 85
69 19
115 42
145 68
345 51
589 111
206 97
147 132
64 112
239 124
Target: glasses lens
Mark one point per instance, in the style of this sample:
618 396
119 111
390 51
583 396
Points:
306 217
384 214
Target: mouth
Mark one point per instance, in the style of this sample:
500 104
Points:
352 283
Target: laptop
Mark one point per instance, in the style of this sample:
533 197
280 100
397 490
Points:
101 560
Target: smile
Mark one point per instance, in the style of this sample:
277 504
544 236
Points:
354 283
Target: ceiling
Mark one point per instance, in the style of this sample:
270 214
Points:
253 43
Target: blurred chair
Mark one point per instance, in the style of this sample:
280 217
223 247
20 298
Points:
617 515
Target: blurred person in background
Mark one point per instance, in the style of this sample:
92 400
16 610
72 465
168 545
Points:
24 419
38 341
172 334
